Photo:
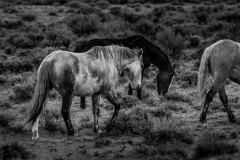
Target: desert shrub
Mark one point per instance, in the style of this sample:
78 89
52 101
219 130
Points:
52 13
129 15
102 141
22 92
202 17
215 26
16 66
194 40
129 101
6 119
25 40
145 27
176 96
135 122
163 151
167 130
74 4
190 77
118 1
9 50
39 54
172 43
3 80
15 151
58 36
116 29
83 24
160 113
159 12
50 117
116 11
5 105
103 4
10 10
11 23
87 9
210 145
228 16
28 17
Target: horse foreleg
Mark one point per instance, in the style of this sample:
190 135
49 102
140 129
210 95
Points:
113 99
139 93
35 129
224 99
66 104
212 92
95 105
83 103
130 90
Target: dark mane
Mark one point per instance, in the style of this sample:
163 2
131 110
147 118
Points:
156 55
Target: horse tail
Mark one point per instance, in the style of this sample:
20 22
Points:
42 89
203 72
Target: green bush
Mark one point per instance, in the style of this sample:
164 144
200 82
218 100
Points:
84 24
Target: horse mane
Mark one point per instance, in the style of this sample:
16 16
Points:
112 53
157 47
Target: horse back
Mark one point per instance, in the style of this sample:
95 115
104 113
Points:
224 58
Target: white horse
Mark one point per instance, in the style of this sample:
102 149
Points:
94 72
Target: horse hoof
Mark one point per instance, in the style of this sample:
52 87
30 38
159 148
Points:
97 131
35 134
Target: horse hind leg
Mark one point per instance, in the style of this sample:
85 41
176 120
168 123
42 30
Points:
66 104
211 93
35 129
224 99
83 103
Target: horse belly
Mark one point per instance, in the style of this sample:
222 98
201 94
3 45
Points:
87 88
235 75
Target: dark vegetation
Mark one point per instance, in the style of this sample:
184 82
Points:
15 151
26 38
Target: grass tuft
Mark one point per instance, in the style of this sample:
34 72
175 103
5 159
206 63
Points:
211 145
14 151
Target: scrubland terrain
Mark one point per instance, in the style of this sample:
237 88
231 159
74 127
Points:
150 129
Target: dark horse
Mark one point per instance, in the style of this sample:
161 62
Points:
152 54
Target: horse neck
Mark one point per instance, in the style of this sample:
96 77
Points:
160 59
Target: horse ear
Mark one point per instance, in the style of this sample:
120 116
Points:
140 52
174 66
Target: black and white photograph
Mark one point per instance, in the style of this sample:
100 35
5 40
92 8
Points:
119 79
